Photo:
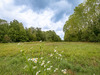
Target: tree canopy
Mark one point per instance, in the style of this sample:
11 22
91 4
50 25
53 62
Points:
15 32
84 23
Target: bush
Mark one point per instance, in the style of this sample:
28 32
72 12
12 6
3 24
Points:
6 39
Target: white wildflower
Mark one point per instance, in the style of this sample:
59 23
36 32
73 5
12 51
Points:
51 66
34 67
64 71
54 50
56 69
41 57
44 65
29 59
60 55
48 68
34 59
48 62
51 55
37 72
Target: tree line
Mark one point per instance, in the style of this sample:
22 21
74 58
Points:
84 23
15 32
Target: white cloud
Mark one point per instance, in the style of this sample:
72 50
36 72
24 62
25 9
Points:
28 17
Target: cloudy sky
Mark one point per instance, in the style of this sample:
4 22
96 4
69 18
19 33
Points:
46 14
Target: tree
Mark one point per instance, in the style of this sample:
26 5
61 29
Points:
86 18
6 39
17 32
52 36
39 34
3 30
31 34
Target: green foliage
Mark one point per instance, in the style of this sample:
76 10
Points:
2 21
84 23
15 32
6 39
98 37
77 58
39 34
52 36
42 65
31 34
3 30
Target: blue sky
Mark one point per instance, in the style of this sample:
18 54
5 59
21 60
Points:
46 14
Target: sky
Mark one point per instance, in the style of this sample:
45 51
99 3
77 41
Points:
45 14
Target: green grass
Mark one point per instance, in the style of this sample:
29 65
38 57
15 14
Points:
80 58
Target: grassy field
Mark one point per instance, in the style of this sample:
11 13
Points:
77 58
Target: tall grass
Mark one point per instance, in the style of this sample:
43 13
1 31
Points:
77 58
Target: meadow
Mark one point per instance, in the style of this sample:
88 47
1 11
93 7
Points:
50 58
